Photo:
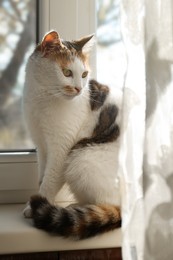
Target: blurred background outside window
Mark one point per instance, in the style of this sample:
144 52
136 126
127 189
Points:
17 39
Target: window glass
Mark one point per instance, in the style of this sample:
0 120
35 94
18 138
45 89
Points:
17 39
110 50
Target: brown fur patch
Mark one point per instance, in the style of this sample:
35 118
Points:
111 210
78 222
76 50
98 94
97 214
54 48
105 131
63 54
106 120
102 218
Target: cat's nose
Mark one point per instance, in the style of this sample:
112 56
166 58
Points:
78 89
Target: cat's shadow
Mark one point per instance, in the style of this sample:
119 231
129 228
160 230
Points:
158 75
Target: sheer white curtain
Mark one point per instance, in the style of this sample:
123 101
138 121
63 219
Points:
158 157
146 155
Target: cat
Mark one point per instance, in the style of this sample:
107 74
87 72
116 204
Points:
74 122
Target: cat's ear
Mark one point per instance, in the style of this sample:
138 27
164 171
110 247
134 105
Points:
51 39
85 44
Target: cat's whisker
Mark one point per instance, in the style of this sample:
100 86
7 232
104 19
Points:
94 100
85 95
90 97
51 92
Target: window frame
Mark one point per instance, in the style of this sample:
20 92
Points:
18 170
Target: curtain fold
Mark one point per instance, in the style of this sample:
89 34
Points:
146 154
133 129
158 154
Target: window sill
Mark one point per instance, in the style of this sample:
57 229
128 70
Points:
17 235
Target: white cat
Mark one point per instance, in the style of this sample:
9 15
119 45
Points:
74 124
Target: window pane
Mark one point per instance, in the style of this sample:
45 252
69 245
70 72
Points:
17 39
110 50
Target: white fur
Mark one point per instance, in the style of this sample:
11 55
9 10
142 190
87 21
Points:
56 122
91 172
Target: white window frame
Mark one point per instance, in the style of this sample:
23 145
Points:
72 19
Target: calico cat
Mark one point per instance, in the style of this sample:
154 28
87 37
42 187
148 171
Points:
74 123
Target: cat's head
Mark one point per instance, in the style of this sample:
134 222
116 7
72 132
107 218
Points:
64 64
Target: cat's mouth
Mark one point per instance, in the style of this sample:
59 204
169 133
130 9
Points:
70 96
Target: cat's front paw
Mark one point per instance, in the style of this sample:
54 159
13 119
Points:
27 212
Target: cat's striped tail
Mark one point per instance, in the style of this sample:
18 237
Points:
77 222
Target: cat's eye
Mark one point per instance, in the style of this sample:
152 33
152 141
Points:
67 72
85 73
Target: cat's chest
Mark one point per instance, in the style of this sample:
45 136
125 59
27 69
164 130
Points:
64 119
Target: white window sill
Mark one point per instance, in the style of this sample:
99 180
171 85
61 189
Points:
17 235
